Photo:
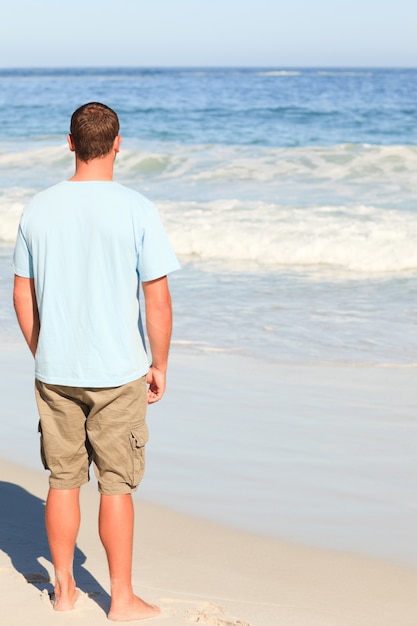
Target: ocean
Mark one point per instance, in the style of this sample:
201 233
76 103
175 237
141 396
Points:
289 195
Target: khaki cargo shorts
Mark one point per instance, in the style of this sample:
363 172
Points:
105 426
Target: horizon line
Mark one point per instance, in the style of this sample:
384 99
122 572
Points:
208 67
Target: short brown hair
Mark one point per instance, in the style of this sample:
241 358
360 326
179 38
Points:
94 127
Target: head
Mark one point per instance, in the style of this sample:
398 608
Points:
93 131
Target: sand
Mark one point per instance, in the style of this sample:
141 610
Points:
197 571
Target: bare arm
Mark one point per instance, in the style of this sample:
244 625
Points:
159 326
26 307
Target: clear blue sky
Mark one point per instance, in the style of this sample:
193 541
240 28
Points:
272 33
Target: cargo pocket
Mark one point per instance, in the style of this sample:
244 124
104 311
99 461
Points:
138 438
42 449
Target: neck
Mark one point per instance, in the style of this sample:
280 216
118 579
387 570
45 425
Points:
96 169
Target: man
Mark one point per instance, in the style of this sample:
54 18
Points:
83 247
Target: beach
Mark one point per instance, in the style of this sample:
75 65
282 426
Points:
281 478
203 570
196 571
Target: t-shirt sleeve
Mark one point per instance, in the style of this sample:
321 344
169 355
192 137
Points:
22 258
156 257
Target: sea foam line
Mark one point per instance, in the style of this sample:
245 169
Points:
363 240
345 165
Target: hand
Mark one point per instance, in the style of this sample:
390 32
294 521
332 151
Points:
156 380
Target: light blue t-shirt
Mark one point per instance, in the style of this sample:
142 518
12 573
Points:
88 245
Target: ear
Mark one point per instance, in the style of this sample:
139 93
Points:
71 143
116 144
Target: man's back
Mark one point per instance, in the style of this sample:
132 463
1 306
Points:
89 242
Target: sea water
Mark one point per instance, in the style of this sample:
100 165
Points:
289 195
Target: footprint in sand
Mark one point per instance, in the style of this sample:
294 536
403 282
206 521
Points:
205 613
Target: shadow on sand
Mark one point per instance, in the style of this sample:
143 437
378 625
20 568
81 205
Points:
23 538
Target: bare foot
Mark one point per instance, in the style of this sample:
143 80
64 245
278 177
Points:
64 601
133 609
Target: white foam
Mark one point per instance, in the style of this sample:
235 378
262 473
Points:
362 239
389 166
347 206
33 155
12 202
344 164
280 73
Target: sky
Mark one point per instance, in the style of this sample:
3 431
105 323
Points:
210 33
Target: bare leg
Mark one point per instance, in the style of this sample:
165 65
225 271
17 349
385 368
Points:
116 533
62 518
